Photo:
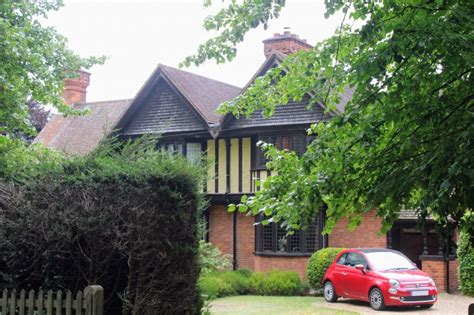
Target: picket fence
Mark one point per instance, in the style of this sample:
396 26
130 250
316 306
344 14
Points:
89 302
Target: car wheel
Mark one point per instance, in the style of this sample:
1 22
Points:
376 299
329 292
425 306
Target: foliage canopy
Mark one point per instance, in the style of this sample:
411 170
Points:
35 61
404 141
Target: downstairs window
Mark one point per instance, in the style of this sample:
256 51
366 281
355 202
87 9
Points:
272 239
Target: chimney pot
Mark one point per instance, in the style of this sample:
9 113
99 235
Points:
276 34
286 33
75 89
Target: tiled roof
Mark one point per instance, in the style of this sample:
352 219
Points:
203 93
81 134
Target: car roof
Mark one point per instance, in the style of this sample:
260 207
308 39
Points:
373 250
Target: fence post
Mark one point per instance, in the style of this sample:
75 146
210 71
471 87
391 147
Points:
96 295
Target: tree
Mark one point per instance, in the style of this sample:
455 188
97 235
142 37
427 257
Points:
34 62
404 141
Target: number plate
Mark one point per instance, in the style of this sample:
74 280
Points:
419 293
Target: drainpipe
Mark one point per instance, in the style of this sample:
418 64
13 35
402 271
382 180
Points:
447 252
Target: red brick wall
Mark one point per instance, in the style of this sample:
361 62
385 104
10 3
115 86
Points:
220 228
245 241
365 235
436 269
266 263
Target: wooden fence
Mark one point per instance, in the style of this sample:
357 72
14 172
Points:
91 302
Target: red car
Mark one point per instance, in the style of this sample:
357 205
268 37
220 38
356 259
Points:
382 277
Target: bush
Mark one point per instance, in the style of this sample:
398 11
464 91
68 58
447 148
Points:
256 281
211 259
466 264
282 283
215 287
240 282
318 264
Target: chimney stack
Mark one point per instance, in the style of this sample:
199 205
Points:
285 43
75 89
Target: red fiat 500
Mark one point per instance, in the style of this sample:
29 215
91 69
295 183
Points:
381 277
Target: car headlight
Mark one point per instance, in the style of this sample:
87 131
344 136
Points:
394 283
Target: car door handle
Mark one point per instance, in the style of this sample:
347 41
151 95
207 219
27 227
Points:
343 273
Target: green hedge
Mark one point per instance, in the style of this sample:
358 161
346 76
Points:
241 282
466 264
123 217
318 264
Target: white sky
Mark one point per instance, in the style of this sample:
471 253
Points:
137 35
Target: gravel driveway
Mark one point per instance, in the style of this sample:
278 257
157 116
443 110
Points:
447 304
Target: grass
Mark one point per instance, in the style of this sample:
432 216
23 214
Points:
266 305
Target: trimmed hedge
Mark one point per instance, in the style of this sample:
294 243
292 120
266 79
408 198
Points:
466 265
124 217
241 282
318 264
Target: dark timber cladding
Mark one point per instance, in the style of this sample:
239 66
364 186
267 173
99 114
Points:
164 111
291 114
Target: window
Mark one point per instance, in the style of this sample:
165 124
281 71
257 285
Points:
283 142
193 152
272 238
354 259
342 260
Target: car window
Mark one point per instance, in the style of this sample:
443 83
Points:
355 259
342 260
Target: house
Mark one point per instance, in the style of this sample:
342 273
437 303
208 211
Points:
181 106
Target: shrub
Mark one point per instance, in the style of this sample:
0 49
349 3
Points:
240 282
215 287
318 264
282 283
124 217
256 281
211 259
466 264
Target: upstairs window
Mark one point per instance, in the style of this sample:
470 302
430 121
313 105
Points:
283 142
193 152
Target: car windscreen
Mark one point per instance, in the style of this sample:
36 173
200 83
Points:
382 261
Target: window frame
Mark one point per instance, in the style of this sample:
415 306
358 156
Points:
303 239
259 162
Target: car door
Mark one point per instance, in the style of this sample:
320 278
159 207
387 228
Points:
339 275
356 280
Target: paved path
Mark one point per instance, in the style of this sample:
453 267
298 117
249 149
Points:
447 304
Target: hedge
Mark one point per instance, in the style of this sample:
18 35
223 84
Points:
318 264
466 264
124 217
227 283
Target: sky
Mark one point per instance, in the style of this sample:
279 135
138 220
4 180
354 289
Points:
136 36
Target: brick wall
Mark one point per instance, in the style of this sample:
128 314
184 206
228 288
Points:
365 235
220 228
266 263
436 269
245 241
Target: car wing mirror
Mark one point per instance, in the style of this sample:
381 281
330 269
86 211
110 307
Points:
360 267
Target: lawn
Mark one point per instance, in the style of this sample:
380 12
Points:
294 305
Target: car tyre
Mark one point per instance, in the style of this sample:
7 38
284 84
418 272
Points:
426 306
329 292
376 299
